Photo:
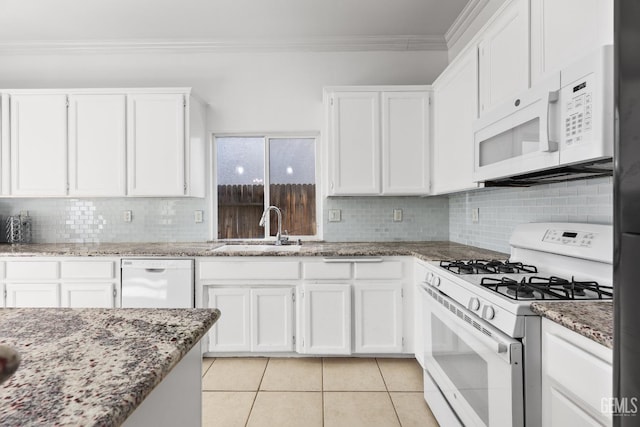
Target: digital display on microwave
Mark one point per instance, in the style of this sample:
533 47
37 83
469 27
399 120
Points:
569 234
580 86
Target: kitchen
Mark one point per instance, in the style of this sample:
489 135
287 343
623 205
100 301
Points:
273 89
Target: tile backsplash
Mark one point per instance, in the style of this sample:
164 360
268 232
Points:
102 220
368 219
501 209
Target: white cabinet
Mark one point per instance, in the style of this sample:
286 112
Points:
455 108
576 378
378 140
32 295
38 143
96 295
97 142
562 31
327 318
378 318
504 55
258 320
156 149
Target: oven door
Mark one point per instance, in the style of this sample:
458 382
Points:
477 368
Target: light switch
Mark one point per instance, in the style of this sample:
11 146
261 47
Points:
335 215
475 215
197 216
126 216
397 215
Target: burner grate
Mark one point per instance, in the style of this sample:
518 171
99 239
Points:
542 288
487 267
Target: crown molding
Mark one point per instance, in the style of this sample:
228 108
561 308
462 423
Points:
464 20
322 44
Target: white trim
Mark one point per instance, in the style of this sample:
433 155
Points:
463 21
318 44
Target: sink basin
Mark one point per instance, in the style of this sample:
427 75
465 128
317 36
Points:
258 248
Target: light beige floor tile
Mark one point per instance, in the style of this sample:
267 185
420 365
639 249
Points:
228 409
401 374
234 374
412 410
359 409
351 374
206 364
293 374
286 409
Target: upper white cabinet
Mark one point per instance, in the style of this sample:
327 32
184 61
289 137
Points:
405 142
378 140
97 141
562 31
38 144
103 143
504 55
156 149
455 108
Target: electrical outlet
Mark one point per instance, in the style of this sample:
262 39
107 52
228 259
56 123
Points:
397 215
197 216
126 216
335 215
475 215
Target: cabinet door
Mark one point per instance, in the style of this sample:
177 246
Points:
354 149
156 145
38 145
378 318
95 295
562 31
232 331
271 320
327 319
97 145
32 295
504 55
455 108
405 143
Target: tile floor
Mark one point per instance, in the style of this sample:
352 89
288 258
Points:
309 392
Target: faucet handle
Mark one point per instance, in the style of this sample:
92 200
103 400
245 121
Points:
284 238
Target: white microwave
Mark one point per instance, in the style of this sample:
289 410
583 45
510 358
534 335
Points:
562 128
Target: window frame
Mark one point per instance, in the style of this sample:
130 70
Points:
267 136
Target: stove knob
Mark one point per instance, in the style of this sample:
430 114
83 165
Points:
474 304
489 312
429 277
436 281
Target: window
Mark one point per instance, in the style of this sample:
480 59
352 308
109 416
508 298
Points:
253 173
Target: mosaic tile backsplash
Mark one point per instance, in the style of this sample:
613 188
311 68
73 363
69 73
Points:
501 209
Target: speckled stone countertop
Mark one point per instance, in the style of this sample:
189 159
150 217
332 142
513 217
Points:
592 319
427 251
91 367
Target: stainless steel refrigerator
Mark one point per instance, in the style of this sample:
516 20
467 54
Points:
626 352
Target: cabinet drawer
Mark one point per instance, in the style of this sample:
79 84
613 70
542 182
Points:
32 270
321 270
88 269
249 270
383 270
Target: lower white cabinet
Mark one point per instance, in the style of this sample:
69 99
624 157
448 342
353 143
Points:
576 378
378 318
96 295
253 319
32 295
327 318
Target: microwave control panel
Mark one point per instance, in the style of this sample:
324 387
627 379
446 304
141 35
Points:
578 110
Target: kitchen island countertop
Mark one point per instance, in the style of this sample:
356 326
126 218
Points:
427 251
592 319
92 367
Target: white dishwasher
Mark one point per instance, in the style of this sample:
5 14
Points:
161 283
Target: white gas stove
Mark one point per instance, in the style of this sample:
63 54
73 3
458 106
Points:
481 323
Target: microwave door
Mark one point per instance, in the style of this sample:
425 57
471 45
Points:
519 137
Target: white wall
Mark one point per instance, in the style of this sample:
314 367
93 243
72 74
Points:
266 91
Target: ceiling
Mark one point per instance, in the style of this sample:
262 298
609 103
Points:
59 22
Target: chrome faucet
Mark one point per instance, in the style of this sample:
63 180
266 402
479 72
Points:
279 239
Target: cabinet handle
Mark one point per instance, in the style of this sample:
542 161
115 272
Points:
337 260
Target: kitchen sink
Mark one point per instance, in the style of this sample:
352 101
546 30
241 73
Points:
258 248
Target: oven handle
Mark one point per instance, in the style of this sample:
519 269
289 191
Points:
489 336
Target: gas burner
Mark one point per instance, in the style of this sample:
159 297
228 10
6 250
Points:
543 288
487 267
520 291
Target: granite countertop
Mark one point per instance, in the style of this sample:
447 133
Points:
91 367
426 251
592 319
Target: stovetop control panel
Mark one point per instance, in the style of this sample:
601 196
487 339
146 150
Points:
570 237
